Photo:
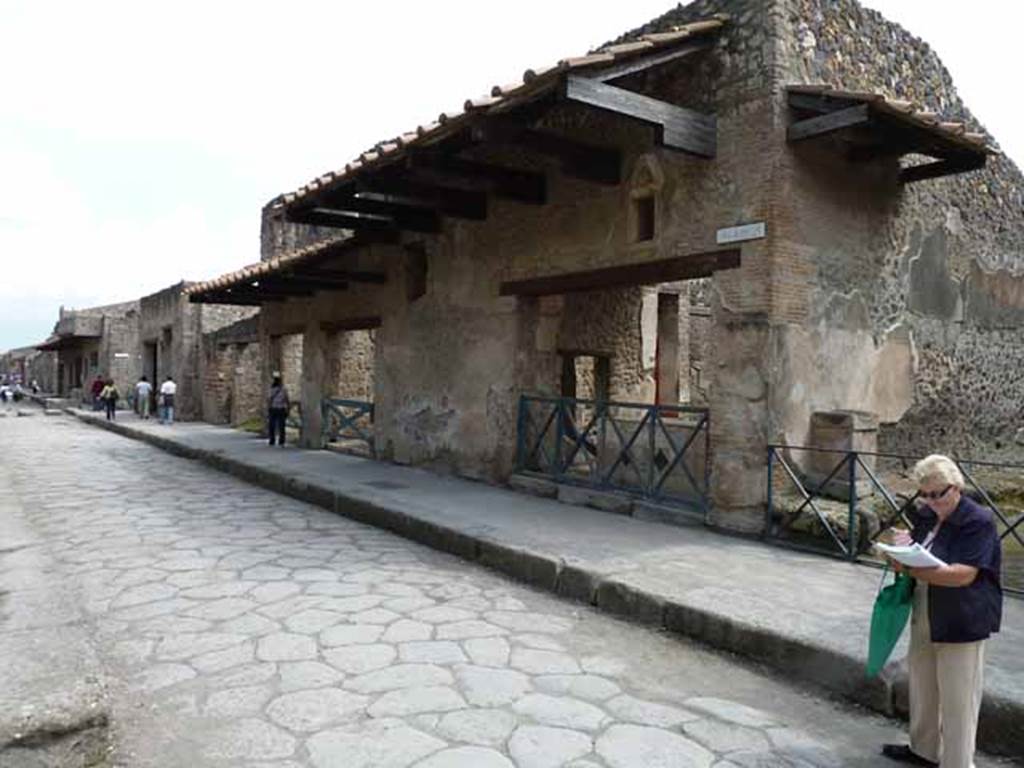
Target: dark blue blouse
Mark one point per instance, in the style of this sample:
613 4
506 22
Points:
969 536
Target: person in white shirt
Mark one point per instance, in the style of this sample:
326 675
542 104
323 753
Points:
167 392
143 391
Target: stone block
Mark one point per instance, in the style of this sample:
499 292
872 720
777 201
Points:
530 567
652 512
630 602
836 432
535 486
588 497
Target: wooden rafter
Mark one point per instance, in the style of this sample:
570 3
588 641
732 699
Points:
582 160
511 183
657 59
828 123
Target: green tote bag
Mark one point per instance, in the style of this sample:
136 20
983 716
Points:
888 618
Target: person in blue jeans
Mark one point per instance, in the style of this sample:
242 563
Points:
278 404
168 390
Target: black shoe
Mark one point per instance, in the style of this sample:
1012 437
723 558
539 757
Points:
904 754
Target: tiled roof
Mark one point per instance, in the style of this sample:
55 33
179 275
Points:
289 260
904 111
535 82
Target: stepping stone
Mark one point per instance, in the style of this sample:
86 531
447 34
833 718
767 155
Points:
535 746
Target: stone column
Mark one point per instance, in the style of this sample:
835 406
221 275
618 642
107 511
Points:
668 348
314 373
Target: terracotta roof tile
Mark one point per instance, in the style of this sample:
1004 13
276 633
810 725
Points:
264 268
533 81
905 111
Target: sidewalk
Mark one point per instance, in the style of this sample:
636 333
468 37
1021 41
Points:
804 616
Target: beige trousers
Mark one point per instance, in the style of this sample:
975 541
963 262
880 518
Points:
945 692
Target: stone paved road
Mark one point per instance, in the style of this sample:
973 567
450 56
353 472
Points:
242 628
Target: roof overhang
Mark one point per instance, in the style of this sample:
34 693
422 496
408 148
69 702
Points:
408 183
294 275
65 342
871 125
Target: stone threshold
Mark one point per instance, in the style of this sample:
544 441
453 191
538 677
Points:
643 598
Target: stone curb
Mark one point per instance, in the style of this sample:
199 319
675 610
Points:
1001 727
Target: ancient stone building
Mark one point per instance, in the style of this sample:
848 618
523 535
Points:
171 330
768 207
27 364
97 341
232 366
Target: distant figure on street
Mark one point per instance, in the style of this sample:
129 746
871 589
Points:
277 409
109 396
143 392
35 387
167 392
97 393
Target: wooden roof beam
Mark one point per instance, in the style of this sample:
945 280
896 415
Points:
414 221
510 183
947 167
656 59
590 162
678 127
841 119
447 201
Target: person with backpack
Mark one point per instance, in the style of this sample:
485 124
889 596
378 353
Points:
278 404
109 396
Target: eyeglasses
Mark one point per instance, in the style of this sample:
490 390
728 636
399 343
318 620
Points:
934 495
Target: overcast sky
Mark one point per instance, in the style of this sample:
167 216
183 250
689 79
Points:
139 141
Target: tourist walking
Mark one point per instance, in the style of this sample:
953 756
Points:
109 396
168 390
955 609
143 393
278 404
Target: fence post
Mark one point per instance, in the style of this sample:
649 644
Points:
652 416
559 435
769 512
520 434
851 532
707 463
324 417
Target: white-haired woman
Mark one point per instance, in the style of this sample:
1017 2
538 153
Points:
956 607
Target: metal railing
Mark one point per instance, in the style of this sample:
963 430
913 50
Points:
839 502
348 420
656 452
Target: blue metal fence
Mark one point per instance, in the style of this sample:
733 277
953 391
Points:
348 420
656 452
839 502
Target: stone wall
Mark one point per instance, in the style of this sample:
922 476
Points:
232 389
175 327
920 288
350 374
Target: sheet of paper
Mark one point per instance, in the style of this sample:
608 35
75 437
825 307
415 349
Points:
913 555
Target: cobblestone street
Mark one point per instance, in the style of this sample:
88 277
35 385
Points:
234 627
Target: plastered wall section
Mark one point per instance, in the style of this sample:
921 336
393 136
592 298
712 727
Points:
915 294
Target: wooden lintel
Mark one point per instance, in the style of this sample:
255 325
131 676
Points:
510 183
351 324
641 63
941 168
678 127
833 121
646 273
598 164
